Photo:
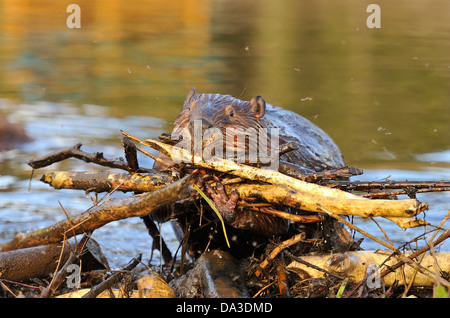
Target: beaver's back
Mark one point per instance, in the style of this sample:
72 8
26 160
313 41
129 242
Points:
317 150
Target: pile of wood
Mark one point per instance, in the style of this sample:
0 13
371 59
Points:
265 191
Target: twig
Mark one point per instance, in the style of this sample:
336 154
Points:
291 241
105 181
7 289
96 290
389 184
76 152
424 249
59 278
289 216
300 260
381 229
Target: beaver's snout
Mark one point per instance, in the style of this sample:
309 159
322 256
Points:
202 134
199 126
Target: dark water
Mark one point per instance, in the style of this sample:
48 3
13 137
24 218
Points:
382 94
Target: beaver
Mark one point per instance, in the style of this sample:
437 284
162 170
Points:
316 152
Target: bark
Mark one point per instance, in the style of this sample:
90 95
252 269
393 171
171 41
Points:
23 264
40 261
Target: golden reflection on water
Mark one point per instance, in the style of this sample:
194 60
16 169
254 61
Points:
382 94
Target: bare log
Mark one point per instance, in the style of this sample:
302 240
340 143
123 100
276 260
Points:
40 261
284 195
355 266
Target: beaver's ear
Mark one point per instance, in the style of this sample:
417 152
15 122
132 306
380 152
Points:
191 93
258 106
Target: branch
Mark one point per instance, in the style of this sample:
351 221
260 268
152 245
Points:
97 216
106 181
375 188
75 152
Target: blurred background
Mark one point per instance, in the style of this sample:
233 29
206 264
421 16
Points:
382 94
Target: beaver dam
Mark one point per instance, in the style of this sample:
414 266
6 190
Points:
316 257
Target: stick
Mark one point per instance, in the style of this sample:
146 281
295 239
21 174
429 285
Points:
389 184
106 181
291 241
95 291
396 210
243 171
424 249
59 278
76 152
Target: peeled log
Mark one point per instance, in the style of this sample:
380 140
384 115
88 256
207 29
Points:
336 200
283 195
355 265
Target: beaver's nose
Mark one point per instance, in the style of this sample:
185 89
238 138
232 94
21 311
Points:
198 126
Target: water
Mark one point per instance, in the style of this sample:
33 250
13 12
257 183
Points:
382 94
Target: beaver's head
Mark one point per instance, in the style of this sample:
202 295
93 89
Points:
206 113
220 111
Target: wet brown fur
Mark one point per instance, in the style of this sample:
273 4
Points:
222 112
